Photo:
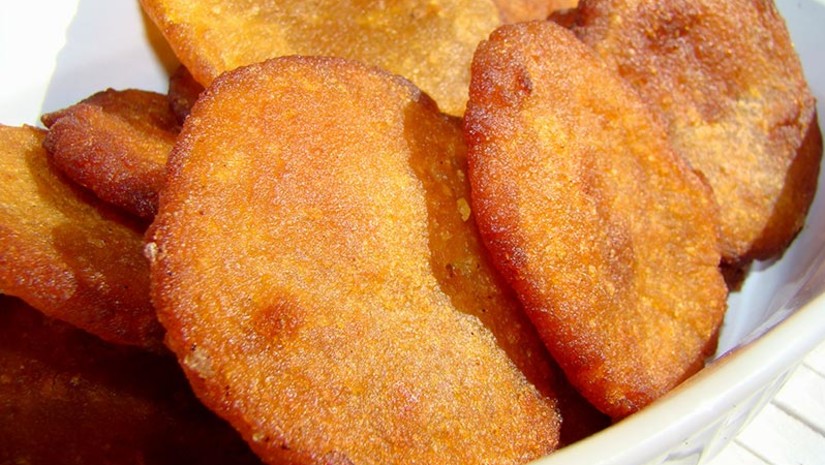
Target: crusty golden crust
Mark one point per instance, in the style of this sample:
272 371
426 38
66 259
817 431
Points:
514 11
313 265
115 143
67 398
66 253
431 43
607 236
725 80
183 92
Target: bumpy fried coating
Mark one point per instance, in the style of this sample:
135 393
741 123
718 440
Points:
183 92
115 143
314 267
68 398
67 254
514 11
725 80
604 232
431 43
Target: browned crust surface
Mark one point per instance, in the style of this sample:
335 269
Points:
320 286
605 233
726 81
67 398
431 43
514 11
115 143
66 253
183 92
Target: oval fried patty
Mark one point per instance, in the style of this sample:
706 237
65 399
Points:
68 398
314 268
724 78
604 232
66 253
115 143
431 43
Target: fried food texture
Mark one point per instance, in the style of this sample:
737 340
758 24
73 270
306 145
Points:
514 11
313 266
66 253
607 236
183 92
726 81
115 143
431 43
67 397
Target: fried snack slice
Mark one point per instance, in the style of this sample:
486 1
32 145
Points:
312 266
514 11
67 254
67 397
725 80
604 232
431 43
115 143
183 92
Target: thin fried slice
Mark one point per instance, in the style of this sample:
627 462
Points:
115 143
604 232
306 266
68 398
431 43
725 80
183 92
66 253
514 11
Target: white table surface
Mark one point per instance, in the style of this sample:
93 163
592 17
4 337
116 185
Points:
790 430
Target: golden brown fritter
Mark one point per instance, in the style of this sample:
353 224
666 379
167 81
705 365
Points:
514 11
725 80
183 92
115 143
314 268
602 229
431 43
66 253
69 398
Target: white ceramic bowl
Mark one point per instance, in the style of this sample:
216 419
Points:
56 52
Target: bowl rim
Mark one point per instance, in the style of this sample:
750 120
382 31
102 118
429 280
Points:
698 402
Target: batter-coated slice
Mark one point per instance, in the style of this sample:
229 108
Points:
429 42
313 267
68 398
725 80
66 253
183 92
115 143
604 232
514 11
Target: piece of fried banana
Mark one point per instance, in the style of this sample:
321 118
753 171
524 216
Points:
605 233
320 283
725 80
115 143
429 42
68 254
